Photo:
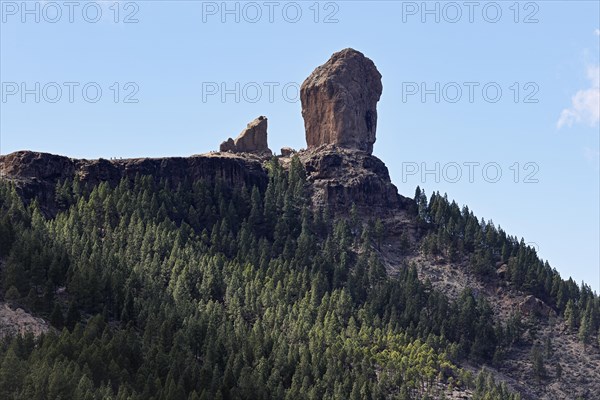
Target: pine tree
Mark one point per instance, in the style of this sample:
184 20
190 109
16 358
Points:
73 316
585 328
56 317
537 361
571 314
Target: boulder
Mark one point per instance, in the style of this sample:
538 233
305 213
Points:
339 102
502 272
287 151
228 145
535 307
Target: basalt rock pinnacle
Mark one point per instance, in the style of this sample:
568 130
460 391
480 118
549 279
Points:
339 102
253 139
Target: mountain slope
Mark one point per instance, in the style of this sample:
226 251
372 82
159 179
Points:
285 256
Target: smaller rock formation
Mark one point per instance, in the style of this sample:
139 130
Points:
502 272
253 139
536 307
287 151
339 102
228 145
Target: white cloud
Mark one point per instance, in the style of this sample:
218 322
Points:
585 104
597 32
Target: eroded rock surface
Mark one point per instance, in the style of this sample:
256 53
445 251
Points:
19 322
339 102
253 139
534 306
287 151
343 177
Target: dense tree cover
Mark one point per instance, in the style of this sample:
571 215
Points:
457 233
487 389
203 291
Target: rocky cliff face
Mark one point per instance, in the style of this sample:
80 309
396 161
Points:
338 177
339 102
36 174
341 177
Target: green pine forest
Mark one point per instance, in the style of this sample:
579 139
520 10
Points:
198 290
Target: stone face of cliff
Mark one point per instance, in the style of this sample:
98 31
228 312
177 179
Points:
36 174
338 177
343 177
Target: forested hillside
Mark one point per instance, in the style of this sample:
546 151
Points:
457 232
207 291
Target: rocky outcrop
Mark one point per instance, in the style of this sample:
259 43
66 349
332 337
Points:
287 151
36 174
18 322
339 102
339 107
340 178
253 139
535 307
228 145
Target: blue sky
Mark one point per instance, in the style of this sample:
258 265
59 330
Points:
517 88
